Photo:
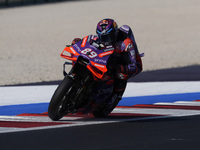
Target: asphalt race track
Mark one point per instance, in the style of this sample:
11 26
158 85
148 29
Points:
140 130
162 134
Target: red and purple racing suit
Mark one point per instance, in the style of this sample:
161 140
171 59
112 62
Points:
126 59
126 56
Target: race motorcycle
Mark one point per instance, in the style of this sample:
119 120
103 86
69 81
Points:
88 84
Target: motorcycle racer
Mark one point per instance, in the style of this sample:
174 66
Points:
125 60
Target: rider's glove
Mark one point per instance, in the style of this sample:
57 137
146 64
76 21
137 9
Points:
131 68
75 40
123 72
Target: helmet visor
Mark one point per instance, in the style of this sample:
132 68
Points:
105 39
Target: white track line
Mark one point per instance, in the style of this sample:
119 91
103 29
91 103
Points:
180 103
170 112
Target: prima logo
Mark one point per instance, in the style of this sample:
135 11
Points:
100 61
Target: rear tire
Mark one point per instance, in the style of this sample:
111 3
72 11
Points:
58 98
104 111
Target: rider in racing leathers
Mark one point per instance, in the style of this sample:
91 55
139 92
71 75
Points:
126 57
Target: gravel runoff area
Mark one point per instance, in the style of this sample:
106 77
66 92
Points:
32 37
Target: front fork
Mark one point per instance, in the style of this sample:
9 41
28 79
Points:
78 72
64 72
83 82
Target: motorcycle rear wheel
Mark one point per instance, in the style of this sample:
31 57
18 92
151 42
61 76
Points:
105 110
59 99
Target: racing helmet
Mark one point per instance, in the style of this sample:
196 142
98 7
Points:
107 31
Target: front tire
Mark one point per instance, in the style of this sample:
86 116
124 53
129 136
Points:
58 99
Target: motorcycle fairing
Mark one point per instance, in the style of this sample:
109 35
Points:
97 58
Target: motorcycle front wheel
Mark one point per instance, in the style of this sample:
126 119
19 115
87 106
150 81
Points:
59 100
